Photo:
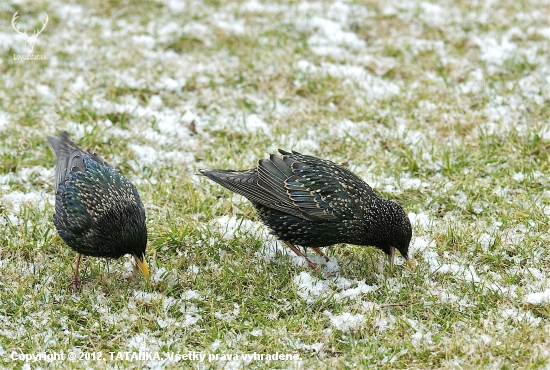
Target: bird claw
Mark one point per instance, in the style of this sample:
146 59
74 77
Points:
314 266
321 253
75 286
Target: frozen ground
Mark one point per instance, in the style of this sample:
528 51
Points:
442 106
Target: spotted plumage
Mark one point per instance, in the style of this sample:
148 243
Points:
98 212
315 203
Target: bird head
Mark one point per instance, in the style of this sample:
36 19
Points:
134 236
136 240
404 250
141 265
401 237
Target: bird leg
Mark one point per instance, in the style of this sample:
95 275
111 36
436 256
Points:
391 257
320 252
76 284
298 253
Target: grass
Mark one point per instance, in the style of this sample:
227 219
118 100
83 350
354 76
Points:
442 107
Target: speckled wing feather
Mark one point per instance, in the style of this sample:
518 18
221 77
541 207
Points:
71 216
321 189
318 194
278 177
97 158
348 177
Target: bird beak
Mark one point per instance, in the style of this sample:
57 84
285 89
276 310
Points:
410 263
141 265
392 257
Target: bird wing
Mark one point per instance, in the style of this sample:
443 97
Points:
323 188
97 158
328 165
86 195
310 191
71 212
319 193
302 186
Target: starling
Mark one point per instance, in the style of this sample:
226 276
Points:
98 211
315 203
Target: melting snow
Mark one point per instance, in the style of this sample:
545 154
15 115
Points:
191 95
466 273
538 298
421 219
309 287
346 322
159 275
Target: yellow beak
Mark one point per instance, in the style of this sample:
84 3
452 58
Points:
141 265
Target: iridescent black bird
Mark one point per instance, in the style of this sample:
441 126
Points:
98 212
315 203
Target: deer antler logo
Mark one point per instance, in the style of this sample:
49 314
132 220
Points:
30 41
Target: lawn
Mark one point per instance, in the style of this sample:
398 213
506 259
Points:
441 106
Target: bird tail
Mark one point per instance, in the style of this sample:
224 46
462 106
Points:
227 177
241 182
67 156
61 145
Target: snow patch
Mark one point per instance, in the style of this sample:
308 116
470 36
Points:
309 287
419 338
420 219
466 273
159 275
346 321
538 298
191 294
